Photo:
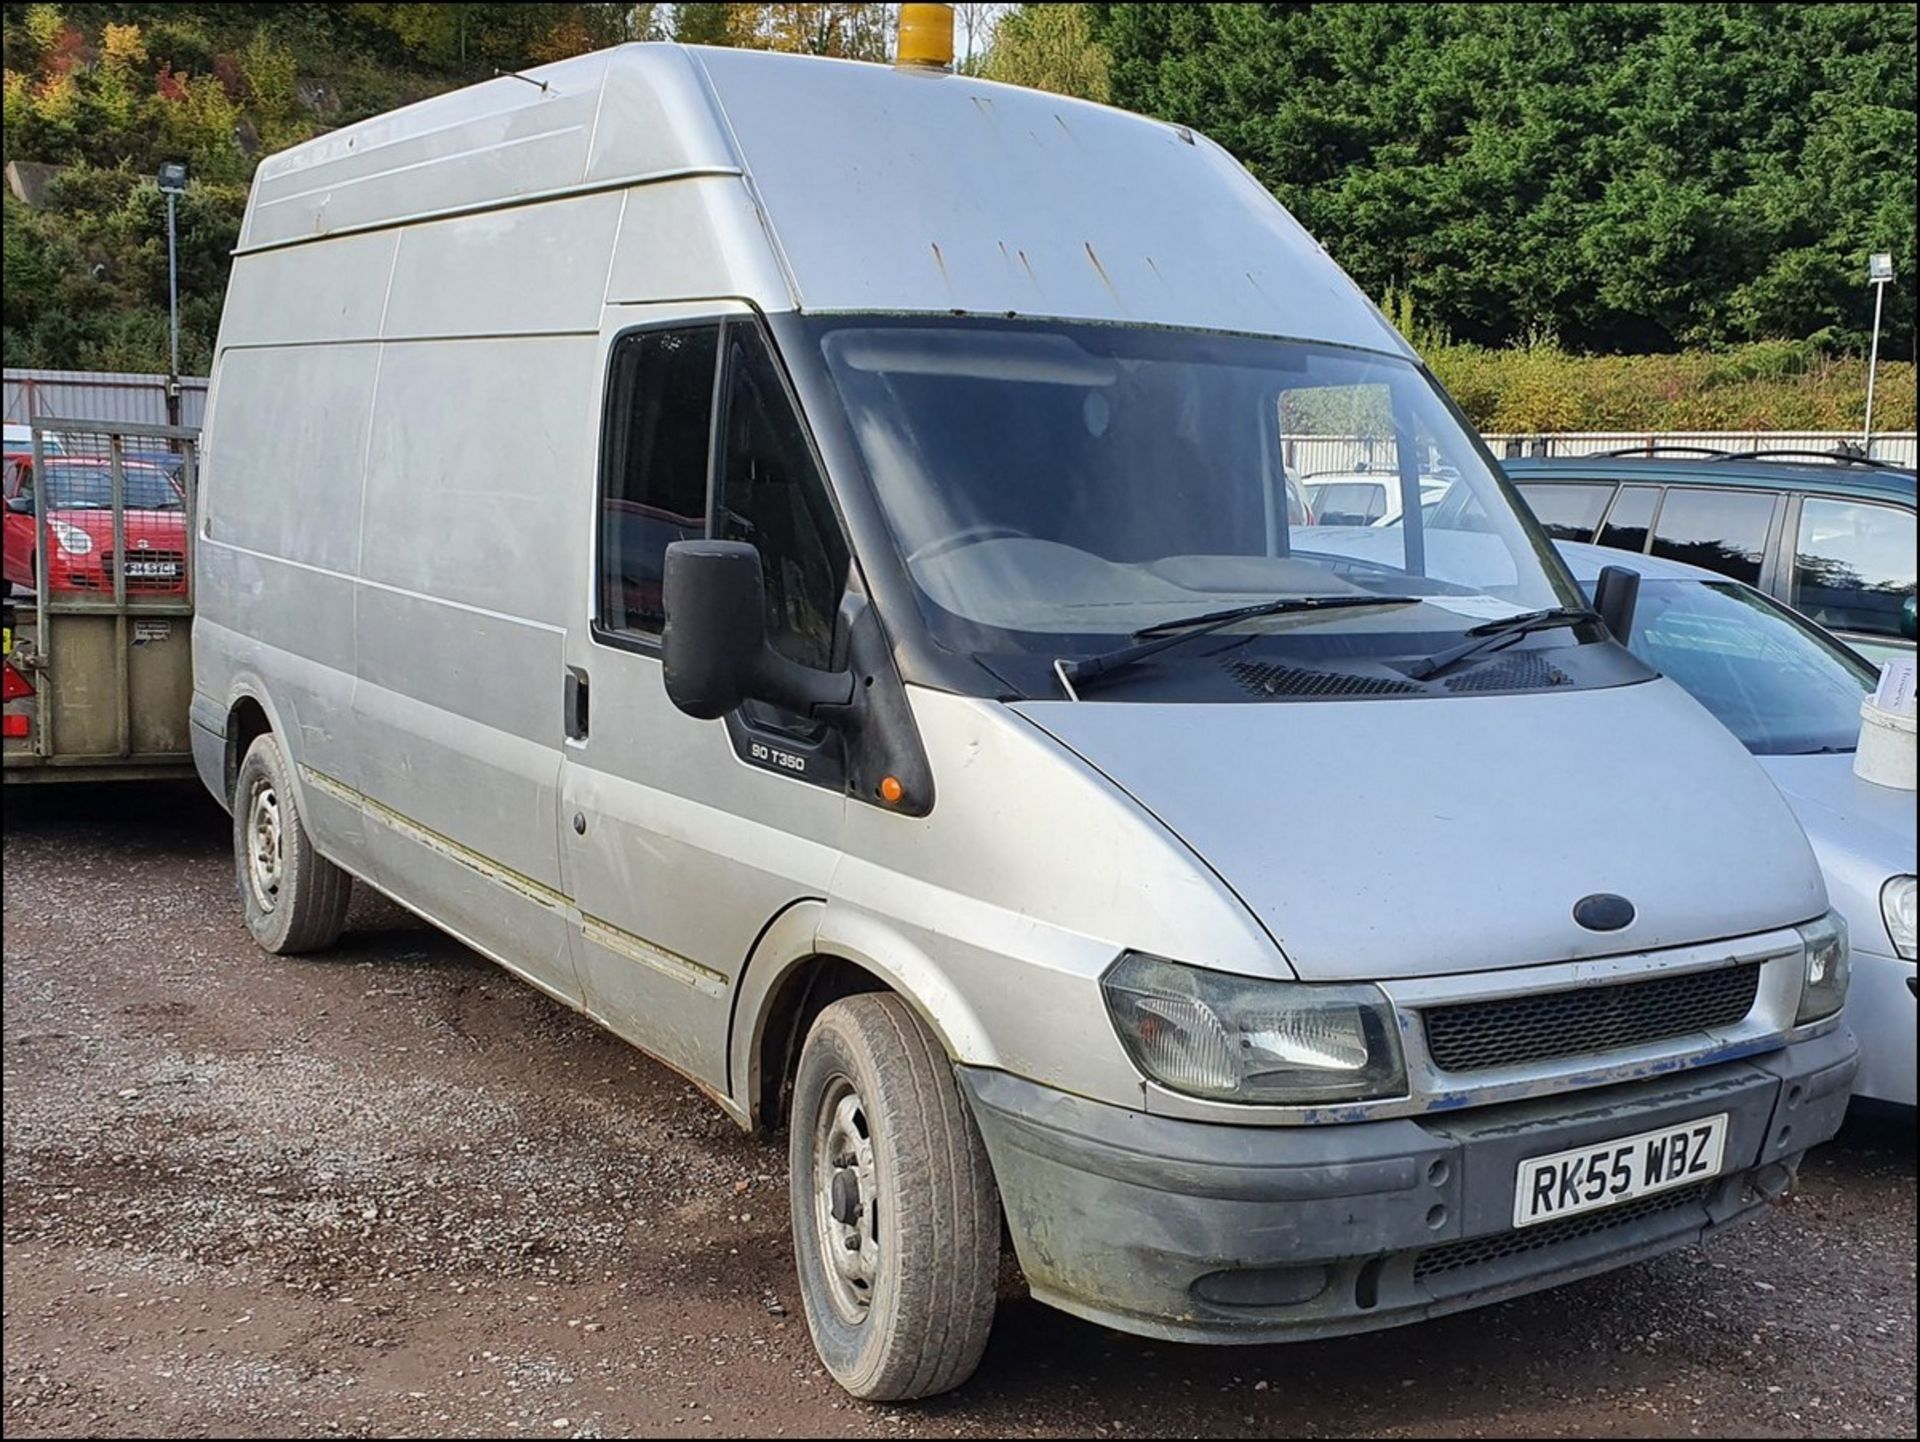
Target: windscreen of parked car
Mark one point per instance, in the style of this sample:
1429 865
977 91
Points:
90 488
1054 488
1774 681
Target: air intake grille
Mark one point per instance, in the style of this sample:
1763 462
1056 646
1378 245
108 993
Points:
1478 1251
1522 671
1265 679
1476 1035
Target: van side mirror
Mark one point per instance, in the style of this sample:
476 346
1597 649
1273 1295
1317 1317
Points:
715 641
1615 597
22 504
1906 618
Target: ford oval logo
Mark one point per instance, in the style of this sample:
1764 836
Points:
1603 911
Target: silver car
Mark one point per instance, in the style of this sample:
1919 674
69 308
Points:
1792 693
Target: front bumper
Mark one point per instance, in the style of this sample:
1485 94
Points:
1201 1232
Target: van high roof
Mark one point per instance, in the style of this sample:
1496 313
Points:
846 186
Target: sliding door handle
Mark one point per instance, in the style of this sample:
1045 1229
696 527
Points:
574 704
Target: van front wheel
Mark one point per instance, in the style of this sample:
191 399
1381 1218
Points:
896 1224
295 899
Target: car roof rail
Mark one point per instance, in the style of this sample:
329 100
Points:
1627 452
1839 457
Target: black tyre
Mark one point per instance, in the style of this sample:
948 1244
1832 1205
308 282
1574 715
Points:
896 1224
295 899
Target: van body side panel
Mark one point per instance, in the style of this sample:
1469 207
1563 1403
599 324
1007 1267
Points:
535 269
638 113
279 550
332 292
485 144
695 240
289 450
468 562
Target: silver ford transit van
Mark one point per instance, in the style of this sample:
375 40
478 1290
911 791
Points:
793 559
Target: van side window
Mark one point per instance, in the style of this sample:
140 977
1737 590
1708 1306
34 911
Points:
654 469
773 496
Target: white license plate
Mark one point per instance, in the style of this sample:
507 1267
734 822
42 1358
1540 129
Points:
153 568
1608 1173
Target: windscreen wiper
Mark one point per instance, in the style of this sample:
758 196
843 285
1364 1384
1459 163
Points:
1154 639
1492 636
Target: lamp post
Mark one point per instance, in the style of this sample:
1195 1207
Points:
173 184
1879 272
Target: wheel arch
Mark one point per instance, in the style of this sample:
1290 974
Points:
251 714
810 956
247 722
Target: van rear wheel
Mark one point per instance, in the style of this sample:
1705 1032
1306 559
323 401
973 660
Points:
295 899
896 1223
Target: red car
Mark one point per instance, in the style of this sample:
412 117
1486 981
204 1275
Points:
79 540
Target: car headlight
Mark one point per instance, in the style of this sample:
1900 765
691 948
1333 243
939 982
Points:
1896 909
1824 991
1243 1039
73 540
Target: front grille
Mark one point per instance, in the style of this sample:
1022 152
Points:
1478 1251
1522 671
1473 1036
1265 679
176 582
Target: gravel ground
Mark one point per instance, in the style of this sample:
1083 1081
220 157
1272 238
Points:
392 1191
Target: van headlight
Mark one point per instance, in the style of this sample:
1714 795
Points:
1896 909
1243 1039
1824 991
73 539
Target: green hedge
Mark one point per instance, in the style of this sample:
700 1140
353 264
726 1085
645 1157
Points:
1769 385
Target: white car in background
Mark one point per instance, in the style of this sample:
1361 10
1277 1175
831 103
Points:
19 441
1792 693
1364 497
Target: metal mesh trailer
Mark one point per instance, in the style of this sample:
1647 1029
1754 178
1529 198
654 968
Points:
99 610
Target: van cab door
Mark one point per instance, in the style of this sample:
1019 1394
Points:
682 839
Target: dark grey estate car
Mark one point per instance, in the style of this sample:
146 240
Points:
1833 537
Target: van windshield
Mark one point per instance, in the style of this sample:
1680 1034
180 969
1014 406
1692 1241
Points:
1056 488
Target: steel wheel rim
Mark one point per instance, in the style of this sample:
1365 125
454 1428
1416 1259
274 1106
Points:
266 849
845 1210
